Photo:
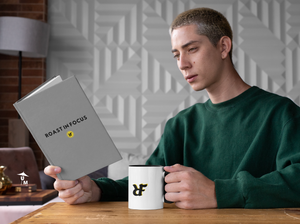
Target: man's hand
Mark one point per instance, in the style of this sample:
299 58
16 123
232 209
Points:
189 188
74 192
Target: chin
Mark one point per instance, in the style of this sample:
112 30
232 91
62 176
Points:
197 88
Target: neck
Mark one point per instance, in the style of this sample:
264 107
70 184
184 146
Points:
231 85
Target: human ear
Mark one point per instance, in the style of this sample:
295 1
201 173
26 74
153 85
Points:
225 46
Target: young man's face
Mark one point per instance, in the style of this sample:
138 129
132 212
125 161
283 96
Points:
199 61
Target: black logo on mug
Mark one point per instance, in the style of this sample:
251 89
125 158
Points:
139 191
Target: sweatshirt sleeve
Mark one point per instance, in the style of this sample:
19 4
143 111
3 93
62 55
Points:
113 190
280 188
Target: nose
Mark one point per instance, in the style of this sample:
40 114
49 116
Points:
183 62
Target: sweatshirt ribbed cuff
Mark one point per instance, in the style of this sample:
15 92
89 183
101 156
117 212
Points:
106 187
229 194
112 190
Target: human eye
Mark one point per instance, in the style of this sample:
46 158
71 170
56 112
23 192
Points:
192 49
176 56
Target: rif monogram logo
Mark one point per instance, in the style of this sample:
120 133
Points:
139 191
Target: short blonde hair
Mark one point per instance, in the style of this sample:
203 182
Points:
210 23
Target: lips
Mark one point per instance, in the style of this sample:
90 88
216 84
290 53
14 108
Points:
190 78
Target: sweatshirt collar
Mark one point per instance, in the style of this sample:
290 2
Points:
232 102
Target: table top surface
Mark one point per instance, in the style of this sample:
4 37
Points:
118 212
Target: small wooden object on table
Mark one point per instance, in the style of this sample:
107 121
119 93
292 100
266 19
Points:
22 188
38 197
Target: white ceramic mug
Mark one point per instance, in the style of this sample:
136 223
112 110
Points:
146 187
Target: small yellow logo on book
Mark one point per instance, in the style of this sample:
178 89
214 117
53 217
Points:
70 134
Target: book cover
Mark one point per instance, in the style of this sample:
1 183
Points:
66 127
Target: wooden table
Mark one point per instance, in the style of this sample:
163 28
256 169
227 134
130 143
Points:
11 213
118 212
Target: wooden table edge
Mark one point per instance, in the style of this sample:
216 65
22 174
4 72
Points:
33 213
290 217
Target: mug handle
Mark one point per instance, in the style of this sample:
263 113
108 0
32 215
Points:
166 201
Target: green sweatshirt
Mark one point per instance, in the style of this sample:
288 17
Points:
249 146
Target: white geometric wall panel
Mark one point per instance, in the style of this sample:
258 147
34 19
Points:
121 53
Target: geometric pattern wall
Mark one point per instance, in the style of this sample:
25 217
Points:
120 51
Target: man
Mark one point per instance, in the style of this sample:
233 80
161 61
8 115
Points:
241 148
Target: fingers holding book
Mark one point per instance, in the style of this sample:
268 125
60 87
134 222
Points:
74 191
52 171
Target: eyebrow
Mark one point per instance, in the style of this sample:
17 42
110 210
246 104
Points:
186 45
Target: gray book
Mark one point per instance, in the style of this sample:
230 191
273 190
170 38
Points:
67 129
